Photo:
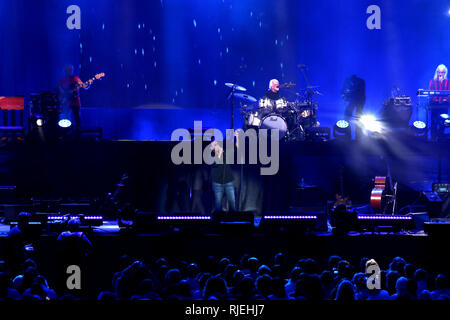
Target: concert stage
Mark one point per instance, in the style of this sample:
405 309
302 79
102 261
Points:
89 170
77 175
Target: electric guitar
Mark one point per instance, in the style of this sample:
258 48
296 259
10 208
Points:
89 81
66 95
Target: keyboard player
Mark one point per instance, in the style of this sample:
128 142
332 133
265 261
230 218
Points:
438 105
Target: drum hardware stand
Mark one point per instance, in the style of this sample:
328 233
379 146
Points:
231 98
309 89
231 94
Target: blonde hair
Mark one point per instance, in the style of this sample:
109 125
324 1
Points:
439 67
271 83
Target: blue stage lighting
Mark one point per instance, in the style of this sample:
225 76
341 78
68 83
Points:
370 123
419 125
64 123
39 122
183 218
342 130
343 124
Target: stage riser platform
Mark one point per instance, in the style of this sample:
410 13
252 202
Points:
91 169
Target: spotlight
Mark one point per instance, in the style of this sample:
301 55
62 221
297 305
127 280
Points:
342 124
342 130
445 120
369 123
419 129
39 122
64 123
420 125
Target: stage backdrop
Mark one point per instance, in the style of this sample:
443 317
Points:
166 61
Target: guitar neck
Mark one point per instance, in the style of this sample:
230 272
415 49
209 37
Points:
85 83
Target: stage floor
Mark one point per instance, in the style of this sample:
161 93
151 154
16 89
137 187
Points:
111 228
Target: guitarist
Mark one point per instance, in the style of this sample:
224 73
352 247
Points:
69 96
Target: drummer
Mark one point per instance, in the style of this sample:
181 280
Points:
273 92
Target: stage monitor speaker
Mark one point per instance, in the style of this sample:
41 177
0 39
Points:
443 191
145 222
433 202
397 112
438 228
233 222
419 219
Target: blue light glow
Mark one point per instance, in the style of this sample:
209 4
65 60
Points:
284 217
342 124
64 123
419 124
183 218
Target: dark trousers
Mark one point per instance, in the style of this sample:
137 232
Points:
76 118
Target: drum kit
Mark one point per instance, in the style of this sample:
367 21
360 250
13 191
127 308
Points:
291 118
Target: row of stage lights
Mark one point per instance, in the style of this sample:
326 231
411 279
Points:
63 123
370 125
298 220
146 222
291 217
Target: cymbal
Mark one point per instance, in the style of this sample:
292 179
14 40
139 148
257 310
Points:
310 87
245 97
287 85
236 86
158 106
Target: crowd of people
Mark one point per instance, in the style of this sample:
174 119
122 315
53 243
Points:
249 279
217 279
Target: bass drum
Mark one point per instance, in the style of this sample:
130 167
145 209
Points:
274 121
